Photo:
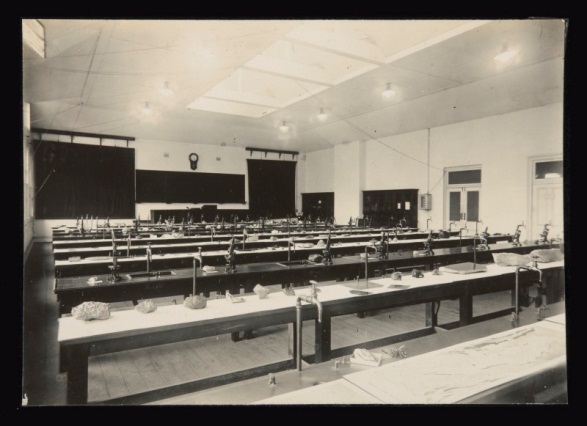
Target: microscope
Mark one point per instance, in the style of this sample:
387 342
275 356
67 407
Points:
114 268
485 234
516 237
326 254
230 258
383 248
544 235
428 245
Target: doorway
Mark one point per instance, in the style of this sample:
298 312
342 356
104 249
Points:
547 211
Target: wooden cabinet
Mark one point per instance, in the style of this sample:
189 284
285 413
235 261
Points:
389 207
318 205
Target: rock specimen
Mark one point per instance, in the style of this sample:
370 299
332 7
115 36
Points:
416 273
91 310
396 276
195 302
511 259
261 291
146 306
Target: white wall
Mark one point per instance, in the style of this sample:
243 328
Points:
501 144
320 171
348 179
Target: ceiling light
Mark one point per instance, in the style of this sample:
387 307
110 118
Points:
322 116
283 128
146 110
506 56
167 91
388 93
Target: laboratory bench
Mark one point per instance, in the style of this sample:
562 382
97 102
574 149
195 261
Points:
130 329
137 247
164 279
162 258
279 238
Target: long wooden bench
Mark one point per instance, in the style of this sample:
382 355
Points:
126 330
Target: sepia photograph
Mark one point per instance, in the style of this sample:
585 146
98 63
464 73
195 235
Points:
282 212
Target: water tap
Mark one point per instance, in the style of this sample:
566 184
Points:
461 235
149 257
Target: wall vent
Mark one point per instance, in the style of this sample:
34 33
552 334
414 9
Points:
426 202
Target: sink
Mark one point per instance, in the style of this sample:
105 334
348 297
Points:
296 262
150 274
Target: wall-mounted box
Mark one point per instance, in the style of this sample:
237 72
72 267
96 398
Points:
426 202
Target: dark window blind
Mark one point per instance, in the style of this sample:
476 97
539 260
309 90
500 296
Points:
72 180
272 186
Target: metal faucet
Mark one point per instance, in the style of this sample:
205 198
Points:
427 222
461 235
367 263
128 244
534 267
313 299
290 244
149 257
245 235
516 237
196 258
477 222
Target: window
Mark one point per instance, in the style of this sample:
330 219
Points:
548 170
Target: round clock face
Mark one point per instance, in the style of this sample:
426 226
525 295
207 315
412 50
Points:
193 160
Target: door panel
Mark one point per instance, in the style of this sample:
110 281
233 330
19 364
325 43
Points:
547 208
472 206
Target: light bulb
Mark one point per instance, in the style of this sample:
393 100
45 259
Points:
283 128
388 93
146 110
167 91
322 116
507 56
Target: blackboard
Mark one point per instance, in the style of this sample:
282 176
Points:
187 187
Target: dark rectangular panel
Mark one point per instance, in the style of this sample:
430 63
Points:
185 187
73 179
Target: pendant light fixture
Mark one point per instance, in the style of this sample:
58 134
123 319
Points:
322 116
388 93
507 56
284 127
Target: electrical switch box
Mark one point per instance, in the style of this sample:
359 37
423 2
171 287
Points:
426 202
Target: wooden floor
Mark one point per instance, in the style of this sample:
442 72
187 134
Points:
126 373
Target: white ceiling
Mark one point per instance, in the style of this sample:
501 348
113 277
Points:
233 82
